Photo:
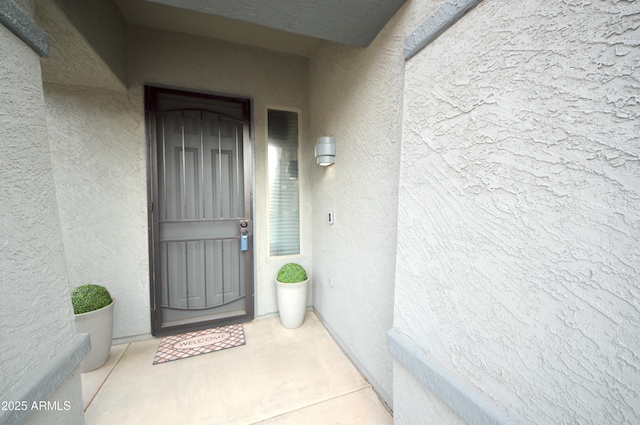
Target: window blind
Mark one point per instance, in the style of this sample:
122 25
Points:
284 208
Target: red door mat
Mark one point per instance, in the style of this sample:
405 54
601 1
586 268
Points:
191 344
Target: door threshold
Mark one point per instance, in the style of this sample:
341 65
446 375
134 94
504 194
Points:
198 323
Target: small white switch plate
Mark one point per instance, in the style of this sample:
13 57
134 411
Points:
330 217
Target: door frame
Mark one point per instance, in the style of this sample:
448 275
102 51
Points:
150 92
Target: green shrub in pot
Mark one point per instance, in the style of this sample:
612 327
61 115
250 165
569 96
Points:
89 297
291 290
292 273
93 315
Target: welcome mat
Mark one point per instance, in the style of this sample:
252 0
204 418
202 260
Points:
191 344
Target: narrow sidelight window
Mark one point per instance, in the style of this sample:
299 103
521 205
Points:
284 209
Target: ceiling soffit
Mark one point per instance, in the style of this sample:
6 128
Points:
353 22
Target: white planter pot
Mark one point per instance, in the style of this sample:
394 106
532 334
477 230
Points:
99 325
292 303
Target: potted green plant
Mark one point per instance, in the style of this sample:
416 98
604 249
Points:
93 309
291 288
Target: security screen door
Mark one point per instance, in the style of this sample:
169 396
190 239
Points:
200 212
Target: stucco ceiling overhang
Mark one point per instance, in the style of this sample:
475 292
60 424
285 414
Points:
291 26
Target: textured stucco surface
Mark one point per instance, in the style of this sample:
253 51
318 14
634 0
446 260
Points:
21 23
518 256
68 392
355 95
98 153
414 403
35 309
102 26
91 55
447 14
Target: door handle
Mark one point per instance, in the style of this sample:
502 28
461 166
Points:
244 235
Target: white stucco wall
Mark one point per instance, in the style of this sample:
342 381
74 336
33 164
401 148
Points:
356 96
102 26
415 404
99 149
518 256
87 43
36 319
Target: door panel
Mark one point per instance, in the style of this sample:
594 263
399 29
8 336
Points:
199 147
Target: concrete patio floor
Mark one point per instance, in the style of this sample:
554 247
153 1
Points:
280 376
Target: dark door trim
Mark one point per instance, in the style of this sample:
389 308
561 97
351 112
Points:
151 93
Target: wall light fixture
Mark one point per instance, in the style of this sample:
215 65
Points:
326 151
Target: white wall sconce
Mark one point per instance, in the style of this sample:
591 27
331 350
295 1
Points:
326 151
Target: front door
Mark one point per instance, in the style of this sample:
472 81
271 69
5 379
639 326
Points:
200 210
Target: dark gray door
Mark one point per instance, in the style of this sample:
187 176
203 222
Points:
201 210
